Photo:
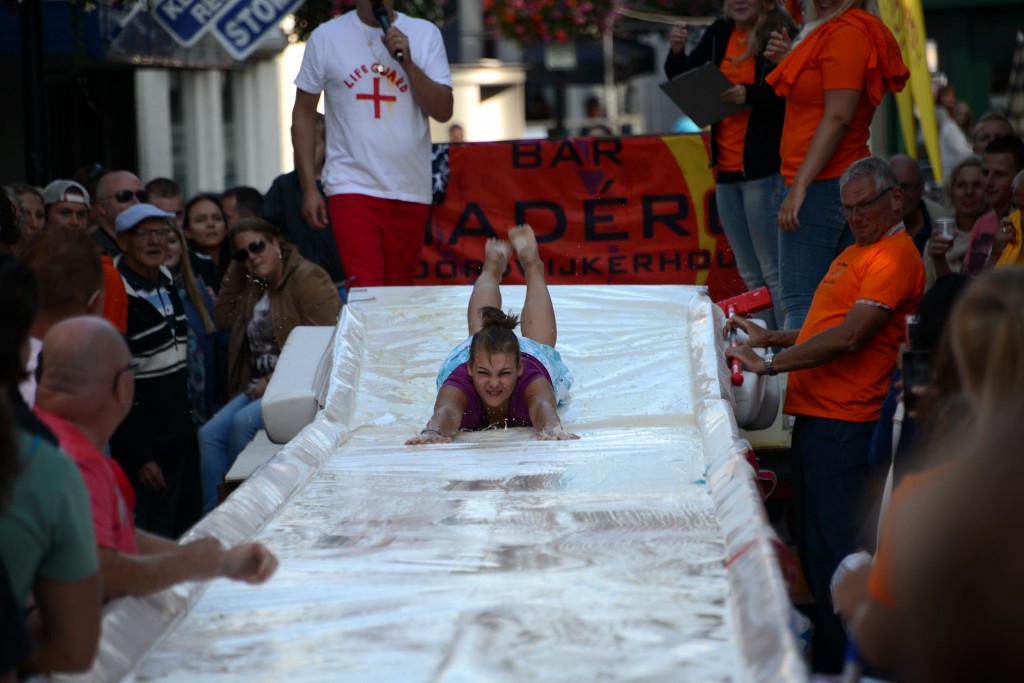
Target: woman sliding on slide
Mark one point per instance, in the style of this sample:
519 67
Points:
494 378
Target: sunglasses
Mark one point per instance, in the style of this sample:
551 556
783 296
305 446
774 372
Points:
125 196
257 247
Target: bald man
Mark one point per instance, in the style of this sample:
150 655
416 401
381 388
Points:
115 192
86 390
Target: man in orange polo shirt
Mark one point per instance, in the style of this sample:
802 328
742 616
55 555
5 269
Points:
840 363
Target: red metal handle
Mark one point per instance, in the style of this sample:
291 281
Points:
736 365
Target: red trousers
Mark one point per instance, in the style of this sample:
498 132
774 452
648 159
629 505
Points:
379 240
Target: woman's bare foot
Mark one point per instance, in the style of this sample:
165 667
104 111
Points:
525 243
496 255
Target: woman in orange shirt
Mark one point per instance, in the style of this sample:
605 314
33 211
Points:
833 78
744 146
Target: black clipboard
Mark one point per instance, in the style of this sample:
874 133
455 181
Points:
698 93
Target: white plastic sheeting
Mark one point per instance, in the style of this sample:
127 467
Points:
640 552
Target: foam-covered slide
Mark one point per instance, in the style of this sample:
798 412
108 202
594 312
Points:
639 552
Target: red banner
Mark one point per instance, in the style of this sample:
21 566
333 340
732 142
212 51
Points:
637 210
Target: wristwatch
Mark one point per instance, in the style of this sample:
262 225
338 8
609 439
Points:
769 365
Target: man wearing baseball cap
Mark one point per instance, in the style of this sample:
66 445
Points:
66 205
156 444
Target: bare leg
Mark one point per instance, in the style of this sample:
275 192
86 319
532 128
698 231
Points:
538 319
485 289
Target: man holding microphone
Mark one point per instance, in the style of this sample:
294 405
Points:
380 83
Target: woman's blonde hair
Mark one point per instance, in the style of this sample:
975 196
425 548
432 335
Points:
771 17
189 280
987 338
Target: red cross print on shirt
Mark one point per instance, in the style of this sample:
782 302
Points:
376 97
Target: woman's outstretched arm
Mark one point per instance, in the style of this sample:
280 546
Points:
540 401
442 425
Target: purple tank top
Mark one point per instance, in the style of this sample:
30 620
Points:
474 419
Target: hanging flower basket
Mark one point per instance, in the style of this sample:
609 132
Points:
547 21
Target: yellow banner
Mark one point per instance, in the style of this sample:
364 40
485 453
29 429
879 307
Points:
905 19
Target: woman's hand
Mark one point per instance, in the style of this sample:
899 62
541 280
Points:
779 45
737 94
556 433
258 389
790 208
677 38
938 248
428 436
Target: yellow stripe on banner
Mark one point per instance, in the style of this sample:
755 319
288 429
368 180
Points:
905 109
692 157
905 19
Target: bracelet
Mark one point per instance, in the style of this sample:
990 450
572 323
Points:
436 431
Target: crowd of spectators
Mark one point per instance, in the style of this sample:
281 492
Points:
117 348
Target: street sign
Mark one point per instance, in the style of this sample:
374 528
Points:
188 20
240 27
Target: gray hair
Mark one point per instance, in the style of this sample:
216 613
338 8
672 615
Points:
1018 180
870 167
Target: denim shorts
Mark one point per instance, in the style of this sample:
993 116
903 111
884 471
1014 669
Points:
561 375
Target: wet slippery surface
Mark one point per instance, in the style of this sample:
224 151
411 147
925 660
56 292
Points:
497 557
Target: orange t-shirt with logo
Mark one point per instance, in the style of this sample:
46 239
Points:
841 63
732 131
888 272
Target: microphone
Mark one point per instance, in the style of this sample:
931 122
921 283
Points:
381 14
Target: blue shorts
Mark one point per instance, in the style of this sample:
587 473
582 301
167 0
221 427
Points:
561 375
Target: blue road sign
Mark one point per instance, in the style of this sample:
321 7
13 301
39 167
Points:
188 20
241 27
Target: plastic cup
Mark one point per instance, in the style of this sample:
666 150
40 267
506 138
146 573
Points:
945 229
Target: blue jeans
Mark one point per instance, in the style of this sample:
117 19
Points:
805 255
748 211
830 468
222 439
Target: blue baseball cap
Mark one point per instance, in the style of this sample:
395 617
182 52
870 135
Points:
130 218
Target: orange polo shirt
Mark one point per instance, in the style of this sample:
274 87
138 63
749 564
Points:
851 388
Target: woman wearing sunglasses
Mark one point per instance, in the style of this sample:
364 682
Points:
267 291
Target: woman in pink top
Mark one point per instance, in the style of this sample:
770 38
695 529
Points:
494 378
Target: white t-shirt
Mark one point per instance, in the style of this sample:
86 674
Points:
27 386
378 138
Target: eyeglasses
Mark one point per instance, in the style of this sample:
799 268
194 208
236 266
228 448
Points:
859 208
125 196
257 247
132 366
161 234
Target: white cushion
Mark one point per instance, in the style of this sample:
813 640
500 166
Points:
298 385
